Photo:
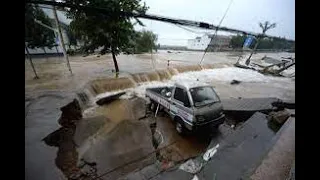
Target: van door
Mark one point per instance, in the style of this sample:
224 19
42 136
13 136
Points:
180 105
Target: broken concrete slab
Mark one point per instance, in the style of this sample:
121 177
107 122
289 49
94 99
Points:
240 150
108 99
284 104
125 148
279 116
139 108
249 104
87 127
278 161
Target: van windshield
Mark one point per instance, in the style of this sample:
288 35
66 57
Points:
203 96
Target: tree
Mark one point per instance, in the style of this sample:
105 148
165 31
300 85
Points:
237 41
37 36
112 32
265 27
145 41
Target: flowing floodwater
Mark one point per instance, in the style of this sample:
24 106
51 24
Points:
123 121
54 73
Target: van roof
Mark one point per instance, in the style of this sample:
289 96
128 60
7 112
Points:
191 84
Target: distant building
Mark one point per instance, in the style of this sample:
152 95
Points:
201 43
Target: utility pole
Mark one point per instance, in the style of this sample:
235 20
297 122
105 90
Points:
30 59
61 38
253 50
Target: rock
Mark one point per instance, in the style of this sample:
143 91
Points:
108 99
71 113
279 116
235 82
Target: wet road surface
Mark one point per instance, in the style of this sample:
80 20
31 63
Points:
41 119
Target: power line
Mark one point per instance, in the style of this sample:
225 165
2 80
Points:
215 34
108 13
187 29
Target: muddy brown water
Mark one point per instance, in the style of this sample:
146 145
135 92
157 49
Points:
176 147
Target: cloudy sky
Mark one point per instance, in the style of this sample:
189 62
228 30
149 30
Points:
243 15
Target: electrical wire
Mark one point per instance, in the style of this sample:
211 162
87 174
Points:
187 29
215 34
107 12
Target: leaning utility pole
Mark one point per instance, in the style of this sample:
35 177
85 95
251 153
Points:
61 38
31 63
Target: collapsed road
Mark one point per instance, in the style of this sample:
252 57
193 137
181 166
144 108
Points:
81 158
121 139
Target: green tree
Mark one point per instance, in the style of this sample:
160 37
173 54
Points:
145 41
71 35
37 36
112 33
265 27
237 41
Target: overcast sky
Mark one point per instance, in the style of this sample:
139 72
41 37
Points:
243 15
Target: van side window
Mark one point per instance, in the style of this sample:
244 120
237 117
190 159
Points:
182 96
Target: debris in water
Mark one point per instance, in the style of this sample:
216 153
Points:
195 177
191 166
108 99
235 82
210 152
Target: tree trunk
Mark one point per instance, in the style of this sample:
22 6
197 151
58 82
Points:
253 50
115 61
30 59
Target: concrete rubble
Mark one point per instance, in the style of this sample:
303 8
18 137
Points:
269 65
279 116
129 141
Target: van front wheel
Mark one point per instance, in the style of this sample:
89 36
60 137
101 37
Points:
179 128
